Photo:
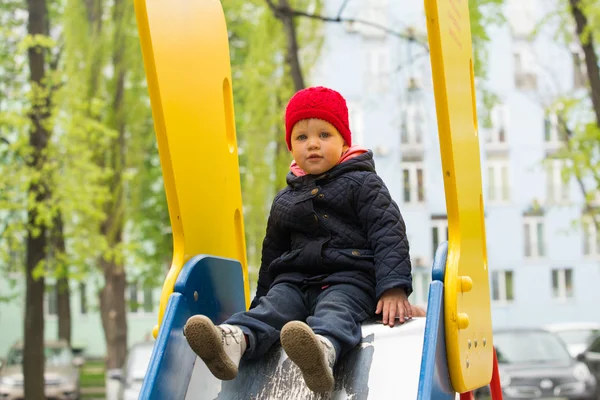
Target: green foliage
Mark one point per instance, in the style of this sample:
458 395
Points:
99 155
578 122
262 86
82 83
483 15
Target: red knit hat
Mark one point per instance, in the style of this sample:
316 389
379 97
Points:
320 103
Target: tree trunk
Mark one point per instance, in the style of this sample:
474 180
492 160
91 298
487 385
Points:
292 58
64 308
95 11
63 293
591 58
112 310
112 296
33 353
593 74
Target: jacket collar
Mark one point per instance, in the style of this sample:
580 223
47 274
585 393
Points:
362 162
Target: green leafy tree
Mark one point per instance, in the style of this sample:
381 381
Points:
578 111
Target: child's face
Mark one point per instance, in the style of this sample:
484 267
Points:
316 146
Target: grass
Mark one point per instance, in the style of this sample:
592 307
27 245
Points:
93 380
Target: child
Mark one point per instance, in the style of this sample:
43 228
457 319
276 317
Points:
335 253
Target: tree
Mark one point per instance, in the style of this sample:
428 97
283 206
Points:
583 144
578 112
39 192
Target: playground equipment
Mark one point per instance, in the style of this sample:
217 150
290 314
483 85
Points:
186 56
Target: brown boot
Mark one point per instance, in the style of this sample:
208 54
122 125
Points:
220 347
313 354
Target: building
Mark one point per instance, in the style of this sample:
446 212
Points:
544 265
87 328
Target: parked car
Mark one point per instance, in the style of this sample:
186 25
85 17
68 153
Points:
591 356
61 375
132 375
577 335
535 364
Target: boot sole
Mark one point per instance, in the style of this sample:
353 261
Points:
205 339
304 349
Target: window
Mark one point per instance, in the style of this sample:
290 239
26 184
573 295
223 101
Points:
378 69
83 298
502 286
595 346
497 133
374 11
439 231
148 300
534 237
355 115
133 297
525 75
551 132
51 300
140 299
591 239
579 67
520 14
557 189
562 283
413 126
498 182
414 186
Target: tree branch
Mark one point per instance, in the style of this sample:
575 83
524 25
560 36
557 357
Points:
591 58
342 8
568 134
286 10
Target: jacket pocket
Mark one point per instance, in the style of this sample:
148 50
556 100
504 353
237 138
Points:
289 255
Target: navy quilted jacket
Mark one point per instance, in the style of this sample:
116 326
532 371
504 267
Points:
339 227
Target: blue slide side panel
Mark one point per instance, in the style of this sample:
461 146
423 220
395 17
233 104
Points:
219 284
434 381
172 361
207 285
438 271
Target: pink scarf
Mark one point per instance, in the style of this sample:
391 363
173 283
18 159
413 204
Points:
349 154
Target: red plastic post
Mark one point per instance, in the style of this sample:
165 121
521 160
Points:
495 387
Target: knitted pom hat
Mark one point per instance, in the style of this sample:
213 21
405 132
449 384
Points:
320 103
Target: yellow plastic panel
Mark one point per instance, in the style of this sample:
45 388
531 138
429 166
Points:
186 55
468 321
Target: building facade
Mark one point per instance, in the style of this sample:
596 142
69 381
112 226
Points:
543 258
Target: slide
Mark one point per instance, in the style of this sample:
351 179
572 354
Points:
192 106
404 362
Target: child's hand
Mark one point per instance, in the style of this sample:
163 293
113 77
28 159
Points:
394 302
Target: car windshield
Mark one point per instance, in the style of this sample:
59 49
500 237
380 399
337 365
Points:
55 357
139 358
578 336
529 347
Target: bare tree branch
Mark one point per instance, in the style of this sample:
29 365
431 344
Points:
342 8
412 60
283 10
